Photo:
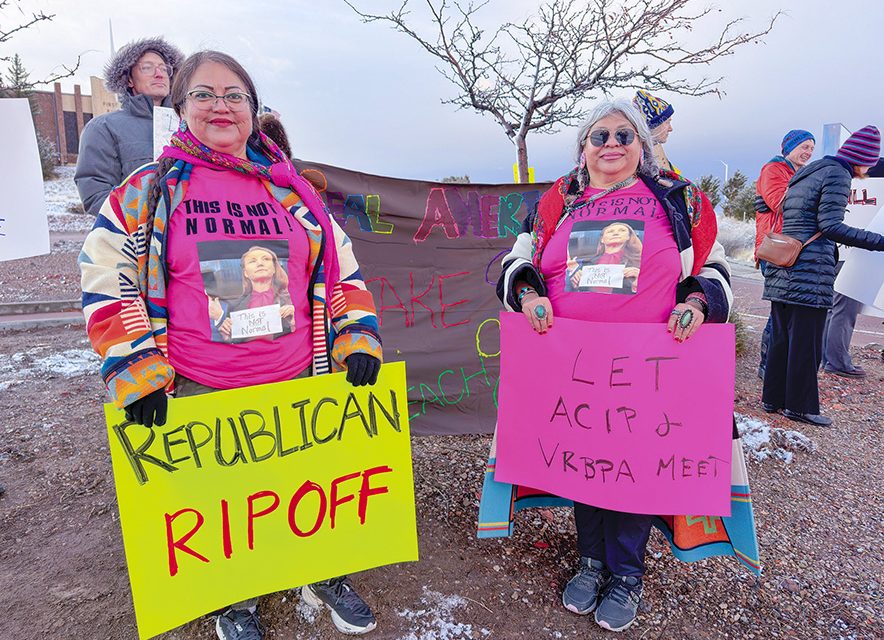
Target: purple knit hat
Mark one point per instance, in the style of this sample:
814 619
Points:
862 148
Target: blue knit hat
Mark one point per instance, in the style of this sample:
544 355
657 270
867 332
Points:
655 110
794 138
862 148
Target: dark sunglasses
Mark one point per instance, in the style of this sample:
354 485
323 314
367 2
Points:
600 136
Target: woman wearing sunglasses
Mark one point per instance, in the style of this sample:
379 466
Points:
223 192
684 282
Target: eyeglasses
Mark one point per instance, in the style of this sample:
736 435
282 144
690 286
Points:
600 136
234 100
149 68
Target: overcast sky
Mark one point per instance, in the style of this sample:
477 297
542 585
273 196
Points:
364 97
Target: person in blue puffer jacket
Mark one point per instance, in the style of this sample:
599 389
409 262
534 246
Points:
801 294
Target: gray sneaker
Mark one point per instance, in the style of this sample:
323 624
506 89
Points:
582 591
239 624
349 611
619 603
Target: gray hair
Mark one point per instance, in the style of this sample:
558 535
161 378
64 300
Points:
647 164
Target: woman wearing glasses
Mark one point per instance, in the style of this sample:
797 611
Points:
684 282
114 144
172 238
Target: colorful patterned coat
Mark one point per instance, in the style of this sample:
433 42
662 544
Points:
123 277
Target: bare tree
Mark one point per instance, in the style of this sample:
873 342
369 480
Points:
10 27
535 75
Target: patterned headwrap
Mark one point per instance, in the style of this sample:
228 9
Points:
655 110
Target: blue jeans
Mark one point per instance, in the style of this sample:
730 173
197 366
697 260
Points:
838 332
617 539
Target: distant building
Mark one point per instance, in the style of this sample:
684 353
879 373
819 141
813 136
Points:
62 116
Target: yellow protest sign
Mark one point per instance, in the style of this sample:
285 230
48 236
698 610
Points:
516 173
254 490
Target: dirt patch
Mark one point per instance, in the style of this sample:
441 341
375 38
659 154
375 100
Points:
50 277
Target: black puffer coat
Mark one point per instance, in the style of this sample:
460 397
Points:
815 201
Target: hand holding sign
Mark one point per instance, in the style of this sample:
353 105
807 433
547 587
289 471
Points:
684 321
256 322
602 275
149 410
362 369
538 310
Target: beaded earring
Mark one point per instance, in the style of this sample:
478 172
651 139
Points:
182 126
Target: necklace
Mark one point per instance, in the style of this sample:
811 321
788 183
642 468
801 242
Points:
623 183
582 203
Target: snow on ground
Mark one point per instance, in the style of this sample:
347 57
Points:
737 237
63 203
761 441
40 362
305 611
434 620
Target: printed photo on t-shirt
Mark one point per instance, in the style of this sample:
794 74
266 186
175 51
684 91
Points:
246 283
604 256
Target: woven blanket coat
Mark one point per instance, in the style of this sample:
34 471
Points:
123 277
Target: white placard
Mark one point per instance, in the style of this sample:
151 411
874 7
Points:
165 123
866 200
24 227
862 276
602 275
251 323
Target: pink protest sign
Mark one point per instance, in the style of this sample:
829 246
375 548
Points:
620 416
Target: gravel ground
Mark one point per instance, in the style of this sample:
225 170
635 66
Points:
50 277
816 492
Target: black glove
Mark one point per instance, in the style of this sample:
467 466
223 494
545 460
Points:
149 410
362 369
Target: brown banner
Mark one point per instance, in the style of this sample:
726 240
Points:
430 253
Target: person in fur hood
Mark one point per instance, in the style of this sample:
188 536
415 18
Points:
114 144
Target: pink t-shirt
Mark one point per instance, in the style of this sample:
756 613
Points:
614 260
238 267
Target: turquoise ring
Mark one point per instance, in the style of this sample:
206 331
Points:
540 312
686 318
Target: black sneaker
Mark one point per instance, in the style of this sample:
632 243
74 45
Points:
619 604
239 624
582 591
349 611
809 418
855 372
